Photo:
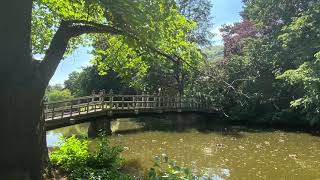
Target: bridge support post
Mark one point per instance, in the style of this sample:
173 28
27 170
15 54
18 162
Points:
99 126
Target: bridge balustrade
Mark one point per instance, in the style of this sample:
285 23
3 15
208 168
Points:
113 103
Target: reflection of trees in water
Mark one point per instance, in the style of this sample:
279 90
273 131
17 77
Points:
178 123
161 122
125 124
173 122
78 129
164 122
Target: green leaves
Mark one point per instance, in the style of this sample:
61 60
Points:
58 95
307 76
154 33
72 153
150 31
301 39
167 169
75 159
116 54
43 27
47 15
88 80
90 10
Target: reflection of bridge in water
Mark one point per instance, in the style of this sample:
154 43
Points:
110 106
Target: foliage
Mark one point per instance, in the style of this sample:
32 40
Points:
48 14
167 169
163 34
234 35
165 45
161 76
58 95
285 42
138 32
88 80
270 71
72 152
198 11
300 39
113 52
214 53
74 157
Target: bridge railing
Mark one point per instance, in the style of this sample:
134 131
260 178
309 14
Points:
112 102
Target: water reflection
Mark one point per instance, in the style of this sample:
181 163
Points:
54 135
52 138
219 150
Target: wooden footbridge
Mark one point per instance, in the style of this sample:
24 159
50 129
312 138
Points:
64 113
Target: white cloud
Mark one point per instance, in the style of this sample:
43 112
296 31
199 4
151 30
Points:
217 39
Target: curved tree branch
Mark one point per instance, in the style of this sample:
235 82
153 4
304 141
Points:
73 28
59 43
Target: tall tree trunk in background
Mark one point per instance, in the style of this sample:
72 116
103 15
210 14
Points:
21 95
179 76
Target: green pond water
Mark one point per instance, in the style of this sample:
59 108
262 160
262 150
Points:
220 150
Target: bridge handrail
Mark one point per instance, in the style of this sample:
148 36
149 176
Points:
102 101
73 99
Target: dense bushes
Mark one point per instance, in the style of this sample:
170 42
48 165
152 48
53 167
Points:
59 95
74 158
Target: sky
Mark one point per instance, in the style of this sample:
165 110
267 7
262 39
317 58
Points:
223 11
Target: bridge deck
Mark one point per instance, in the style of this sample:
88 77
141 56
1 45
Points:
79 109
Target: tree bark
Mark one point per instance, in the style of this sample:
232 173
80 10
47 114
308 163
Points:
21 156
179 76
20 95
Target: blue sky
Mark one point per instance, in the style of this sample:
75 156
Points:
224 12
74 62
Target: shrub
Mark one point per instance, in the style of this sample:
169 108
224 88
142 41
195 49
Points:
164 168
74 157
59 95
72 153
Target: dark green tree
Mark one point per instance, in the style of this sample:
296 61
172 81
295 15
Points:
270 70
88 80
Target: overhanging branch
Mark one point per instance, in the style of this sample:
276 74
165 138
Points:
59 43
74 28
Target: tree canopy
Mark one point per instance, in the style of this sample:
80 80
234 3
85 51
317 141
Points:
270 71
88 81
58 94
127 36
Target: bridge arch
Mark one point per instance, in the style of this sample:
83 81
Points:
111 106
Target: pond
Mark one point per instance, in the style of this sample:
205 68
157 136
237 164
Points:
215 148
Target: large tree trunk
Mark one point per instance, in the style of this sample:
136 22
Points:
22 133
20 95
